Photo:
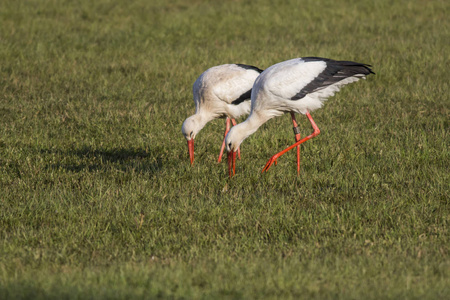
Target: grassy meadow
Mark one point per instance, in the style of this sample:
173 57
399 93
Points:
97 196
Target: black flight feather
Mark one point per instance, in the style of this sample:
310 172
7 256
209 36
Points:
248 93
248 67
242 97
334 72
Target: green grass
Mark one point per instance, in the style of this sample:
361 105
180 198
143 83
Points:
97 197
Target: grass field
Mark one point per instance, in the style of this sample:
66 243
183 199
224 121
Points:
97 197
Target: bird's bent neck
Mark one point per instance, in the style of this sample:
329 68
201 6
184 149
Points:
202 117
248 127
235 111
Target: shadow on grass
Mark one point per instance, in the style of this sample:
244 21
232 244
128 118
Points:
91 160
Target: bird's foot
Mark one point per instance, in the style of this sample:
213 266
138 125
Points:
270 162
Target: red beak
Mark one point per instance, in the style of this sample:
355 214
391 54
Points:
191 150
231 163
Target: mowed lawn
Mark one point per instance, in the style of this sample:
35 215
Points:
97 196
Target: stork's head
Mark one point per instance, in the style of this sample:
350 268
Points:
191 126
231 140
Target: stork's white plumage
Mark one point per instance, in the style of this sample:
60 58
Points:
299 85
220 92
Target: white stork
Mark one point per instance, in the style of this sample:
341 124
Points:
298 85
220 92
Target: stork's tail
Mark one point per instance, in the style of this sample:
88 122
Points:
354 68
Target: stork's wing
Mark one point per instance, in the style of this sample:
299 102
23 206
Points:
234 83
294 79
334 72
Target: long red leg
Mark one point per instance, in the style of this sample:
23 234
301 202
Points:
297 138
239 149
227 128
274 158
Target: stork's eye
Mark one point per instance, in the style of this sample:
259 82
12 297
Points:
229 145
190 134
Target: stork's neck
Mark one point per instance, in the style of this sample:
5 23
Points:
249 126
235 111
202 117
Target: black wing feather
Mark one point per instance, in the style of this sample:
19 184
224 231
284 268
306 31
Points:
245 96
334 72
248 67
